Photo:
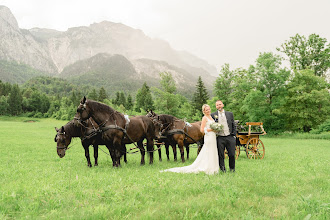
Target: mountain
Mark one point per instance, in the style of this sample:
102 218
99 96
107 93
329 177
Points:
19 45
125 75
81 54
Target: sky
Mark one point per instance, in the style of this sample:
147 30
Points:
218 31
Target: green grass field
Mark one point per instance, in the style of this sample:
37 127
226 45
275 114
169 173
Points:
291 182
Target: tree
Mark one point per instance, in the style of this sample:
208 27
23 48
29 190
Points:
244 81
3 105
261 103
144 99
223 84
116 101
166 101
93 95
129 103
5 88
200 96
167 82
15 101
102 95
122 99
307 103
312 53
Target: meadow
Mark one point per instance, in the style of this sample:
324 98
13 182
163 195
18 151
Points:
291 182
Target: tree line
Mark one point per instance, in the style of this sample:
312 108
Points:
294 99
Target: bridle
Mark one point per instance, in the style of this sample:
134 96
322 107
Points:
65 148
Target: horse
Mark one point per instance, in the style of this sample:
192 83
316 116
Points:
162 139
113 126
110 122
88 133
179 132
194 135
138 129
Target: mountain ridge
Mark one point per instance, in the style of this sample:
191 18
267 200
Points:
53 52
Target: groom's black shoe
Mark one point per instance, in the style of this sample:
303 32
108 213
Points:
223 169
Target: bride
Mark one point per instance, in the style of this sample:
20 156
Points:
207 160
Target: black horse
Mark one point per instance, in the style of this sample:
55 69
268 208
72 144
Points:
89 134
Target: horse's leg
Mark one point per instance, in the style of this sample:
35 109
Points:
174 151
180 144
96 153
112 154
187 149
167 146
119 149
86 148
150 147
125 152
159 152
142 151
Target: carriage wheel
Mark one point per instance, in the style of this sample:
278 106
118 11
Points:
237 152
255 149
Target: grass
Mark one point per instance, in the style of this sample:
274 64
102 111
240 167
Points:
292 181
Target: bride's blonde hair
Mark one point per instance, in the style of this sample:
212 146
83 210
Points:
204 106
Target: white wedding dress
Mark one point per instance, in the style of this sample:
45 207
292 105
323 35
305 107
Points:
207 160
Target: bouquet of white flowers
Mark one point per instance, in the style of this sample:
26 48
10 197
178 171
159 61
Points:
216 127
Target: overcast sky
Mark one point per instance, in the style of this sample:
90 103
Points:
219 31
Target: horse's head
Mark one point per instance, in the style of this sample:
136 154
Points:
150 114
83 111
158 127
63 140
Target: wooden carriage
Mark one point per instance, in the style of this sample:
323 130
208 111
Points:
247 139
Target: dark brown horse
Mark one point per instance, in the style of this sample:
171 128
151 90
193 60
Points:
89 134
162 139
115 131
179 132
139 128
111 123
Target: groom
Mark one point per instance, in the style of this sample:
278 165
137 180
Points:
227 137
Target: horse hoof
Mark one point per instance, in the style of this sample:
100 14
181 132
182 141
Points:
96 165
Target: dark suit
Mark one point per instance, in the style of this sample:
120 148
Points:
228 142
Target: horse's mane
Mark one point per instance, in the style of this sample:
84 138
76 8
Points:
99 107
167 118
71 128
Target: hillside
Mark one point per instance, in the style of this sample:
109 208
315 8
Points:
116 73
13 72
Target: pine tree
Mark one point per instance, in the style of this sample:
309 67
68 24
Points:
122 99
144 98
200 96
93 95
102 95
129 103
15 101
116 101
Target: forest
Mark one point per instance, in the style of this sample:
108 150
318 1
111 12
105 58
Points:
294 98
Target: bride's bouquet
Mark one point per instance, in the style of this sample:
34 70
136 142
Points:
216 127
